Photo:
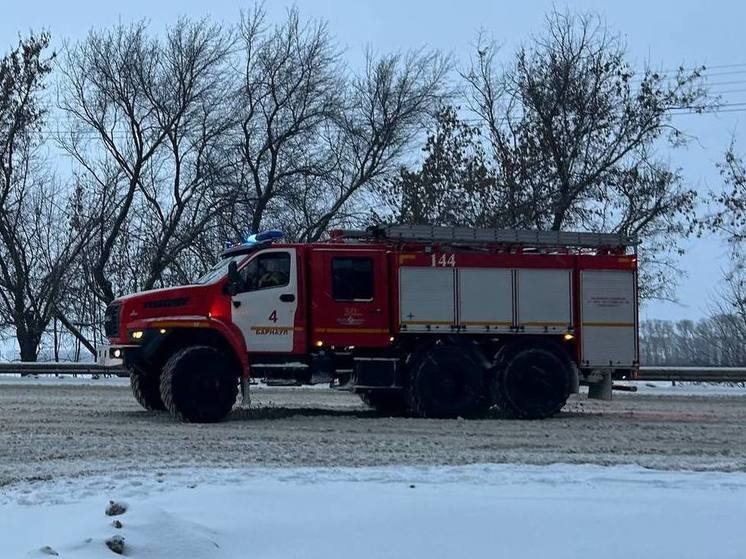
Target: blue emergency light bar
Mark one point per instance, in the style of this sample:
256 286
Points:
252 242
264 236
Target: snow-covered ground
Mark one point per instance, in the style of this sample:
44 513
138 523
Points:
643 387
689 388
69 445
469 511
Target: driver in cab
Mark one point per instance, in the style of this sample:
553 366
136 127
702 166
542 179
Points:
271 273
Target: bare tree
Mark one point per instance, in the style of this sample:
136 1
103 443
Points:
728 212
147 116
726 217
315 140
728 313
38 242
573 133
386 109
453 184
715 341
291 88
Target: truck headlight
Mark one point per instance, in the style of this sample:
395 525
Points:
137 334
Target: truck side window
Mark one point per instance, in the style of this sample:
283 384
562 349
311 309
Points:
352 279
267 270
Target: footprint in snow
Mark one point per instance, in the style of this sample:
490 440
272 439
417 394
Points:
115 509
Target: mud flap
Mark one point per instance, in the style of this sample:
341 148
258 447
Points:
600 387
245 393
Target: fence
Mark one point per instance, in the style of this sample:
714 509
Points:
683 374
61 368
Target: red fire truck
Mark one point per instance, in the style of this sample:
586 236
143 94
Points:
418 320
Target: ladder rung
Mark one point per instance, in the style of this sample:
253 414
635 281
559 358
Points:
515 237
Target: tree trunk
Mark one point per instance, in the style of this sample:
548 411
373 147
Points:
29 345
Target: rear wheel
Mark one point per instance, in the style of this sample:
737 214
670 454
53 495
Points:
532 381
386 402
146 388
447 381
199 384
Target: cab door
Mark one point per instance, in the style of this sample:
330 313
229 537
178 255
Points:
350 302
265 306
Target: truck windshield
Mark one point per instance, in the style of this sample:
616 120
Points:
219 270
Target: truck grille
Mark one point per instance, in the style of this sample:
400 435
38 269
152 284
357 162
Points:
111 320
166 303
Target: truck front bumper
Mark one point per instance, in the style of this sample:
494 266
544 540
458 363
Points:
111 355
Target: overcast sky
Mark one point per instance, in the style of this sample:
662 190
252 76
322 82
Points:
663 33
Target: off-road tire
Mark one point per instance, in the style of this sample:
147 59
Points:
447 381
199 384
391 403
146 388
531 381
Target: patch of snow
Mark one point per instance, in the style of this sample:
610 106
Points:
689 388
64 380
558 511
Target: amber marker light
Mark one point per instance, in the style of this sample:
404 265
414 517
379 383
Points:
319 343
568 337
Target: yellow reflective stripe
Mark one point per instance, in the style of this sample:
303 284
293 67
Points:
351 330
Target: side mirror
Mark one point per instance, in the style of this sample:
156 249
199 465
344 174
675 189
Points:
234 279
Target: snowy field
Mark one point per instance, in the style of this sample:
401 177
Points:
558 511
314 473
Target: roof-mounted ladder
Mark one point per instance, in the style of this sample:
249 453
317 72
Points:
472 235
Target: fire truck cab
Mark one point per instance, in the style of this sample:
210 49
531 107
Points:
418 320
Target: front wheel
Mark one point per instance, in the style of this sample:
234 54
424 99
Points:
146 388
199 384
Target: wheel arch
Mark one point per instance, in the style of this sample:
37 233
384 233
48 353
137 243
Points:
512 344
162 348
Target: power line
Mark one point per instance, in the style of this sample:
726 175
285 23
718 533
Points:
706 107
734 82
673 111
706 67
722 66
717 74
728 91
705 112
728 107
